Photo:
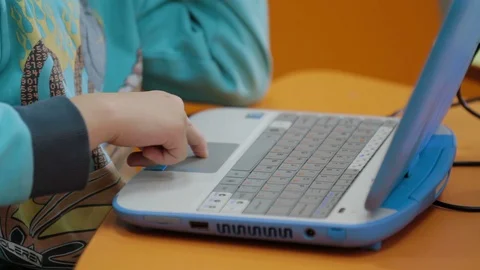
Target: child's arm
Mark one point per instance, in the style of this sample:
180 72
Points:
206 50
44 149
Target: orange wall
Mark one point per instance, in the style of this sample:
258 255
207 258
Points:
389 39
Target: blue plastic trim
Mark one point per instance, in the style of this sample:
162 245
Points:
427 180
160 168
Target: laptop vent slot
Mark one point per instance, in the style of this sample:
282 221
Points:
250 231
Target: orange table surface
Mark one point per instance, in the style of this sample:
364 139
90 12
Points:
438 239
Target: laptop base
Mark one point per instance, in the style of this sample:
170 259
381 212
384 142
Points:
416 192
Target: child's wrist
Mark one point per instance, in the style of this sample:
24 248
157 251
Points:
99 116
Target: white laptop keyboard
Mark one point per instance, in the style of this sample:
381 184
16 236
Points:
300 166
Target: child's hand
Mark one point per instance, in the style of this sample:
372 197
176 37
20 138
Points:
154 121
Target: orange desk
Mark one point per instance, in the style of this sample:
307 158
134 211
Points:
439 239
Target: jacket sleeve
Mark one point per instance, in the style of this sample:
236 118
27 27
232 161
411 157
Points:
206 51
44 149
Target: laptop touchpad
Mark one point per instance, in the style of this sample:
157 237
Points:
218 153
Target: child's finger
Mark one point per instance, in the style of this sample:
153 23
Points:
196 141
137 159
163 156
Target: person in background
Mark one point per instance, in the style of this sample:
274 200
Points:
79 76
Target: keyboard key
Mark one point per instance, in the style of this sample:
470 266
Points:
250 189
269 136
308 173
299 130
317 192
329 147
303 210
339 187
353 146
322 120
321 185
243 196
259 175
279 180
255 153
254 182
344 182
300 154
333 120
293 136
282 149
289 194
318 160
276 130
348 177
352 171
312 141
272 187
349 152
344 158
364 132
284 173
258 206
286 142
302 180
317 135
327 178
338 165
285 202
267 169
359 139
305 121
373 121
292 167
332 171
279 210
313 199
281 156
344 128
315 167
322 128
306 147
324 154
271 162
215 201
231 181
226 188
271 195
338 137
234 206
296 187
238 174
338 133
349 121
332 143
287 117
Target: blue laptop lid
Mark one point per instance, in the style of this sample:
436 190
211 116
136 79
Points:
438 84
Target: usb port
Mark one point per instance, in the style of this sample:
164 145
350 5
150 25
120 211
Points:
198 225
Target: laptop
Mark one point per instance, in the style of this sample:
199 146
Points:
315 178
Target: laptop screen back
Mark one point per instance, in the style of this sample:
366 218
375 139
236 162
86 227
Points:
433 94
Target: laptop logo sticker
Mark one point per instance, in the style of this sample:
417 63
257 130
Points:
254 115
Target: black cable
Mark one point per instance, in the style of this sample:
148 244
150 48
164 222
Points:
465 105
462 208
